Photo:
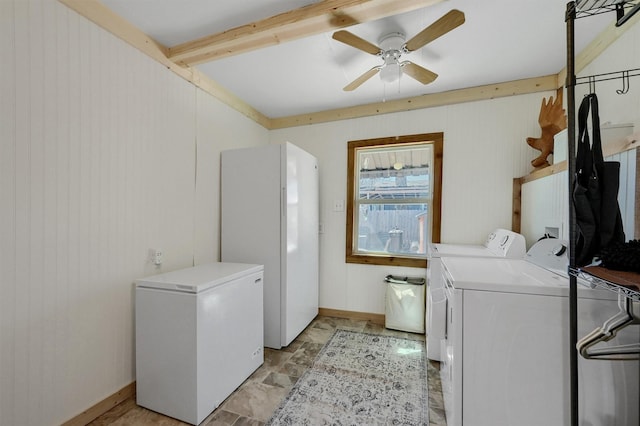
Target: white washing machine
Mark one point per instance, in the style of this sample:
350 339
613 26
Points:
499 243
506 356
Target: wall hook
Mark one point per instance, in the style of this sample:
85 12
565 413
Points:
592 84
625 84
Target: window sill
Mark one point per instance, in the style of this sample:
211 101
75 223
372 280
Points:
387 261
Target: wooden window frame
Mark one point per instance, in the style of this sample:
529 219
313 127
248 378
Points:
436 139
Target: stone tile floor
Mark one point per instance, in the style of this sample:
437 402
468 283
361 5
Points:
257 397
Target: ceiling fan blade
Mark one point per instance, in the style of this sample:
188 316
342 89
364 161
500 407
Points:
419 73
354 41
453 19
364 77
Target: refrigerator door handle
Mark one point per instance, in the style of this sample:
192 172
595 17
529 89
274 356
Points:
284 201
446 316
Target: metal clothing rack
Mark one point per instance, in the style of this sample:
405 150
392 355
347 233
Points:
617 75
624 9
594 281
575 10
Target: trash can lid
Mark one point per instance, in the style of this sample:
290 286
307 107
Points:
405 280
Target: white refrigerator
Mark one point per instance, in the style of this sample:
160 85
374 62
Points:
270 216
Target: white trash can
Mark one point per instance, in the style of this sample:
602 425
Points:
405 303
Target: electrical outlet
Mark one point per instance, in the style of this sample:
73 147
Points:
156 256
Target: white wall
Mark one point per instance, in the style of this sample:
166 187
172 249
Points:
545 201
484 149
98 152
623 54
218 128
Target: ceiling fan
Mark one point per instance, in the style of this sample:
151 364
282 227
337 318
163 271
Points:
393 46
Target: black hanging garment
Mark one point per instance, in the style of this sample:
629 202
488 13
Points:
595 190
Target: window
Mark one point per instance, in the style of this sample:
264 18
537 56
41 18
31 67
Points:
393 199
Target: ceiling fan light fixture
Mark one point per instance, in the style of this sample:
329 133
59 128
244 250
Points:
391 72
391 44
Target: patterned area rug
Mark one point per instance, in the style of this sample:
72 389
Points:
360 379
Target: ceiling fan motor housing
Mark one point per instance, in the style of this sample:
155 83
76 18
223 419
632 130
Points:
392 41
391 45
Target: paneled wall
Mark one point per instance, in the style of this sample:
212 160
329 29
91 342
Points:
218 128
544 204
545 201
104 154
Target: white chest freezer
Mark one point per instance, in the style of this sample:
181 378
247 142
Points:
199 335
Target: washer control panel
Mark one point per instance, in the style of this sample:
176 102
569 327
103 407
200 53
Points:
550 254
505 243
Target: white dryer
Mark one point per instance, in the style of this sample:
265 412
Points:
506 358
499 243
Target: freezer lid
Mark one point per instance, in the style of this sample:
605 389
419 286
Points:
199 278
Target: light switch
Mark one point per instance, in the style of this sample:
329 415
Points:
338 205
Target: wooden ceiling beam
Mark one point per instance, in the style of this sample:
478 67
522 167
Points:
316 18
471 94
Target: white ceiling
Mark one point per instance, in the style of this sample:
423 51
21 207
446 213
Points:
501 40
